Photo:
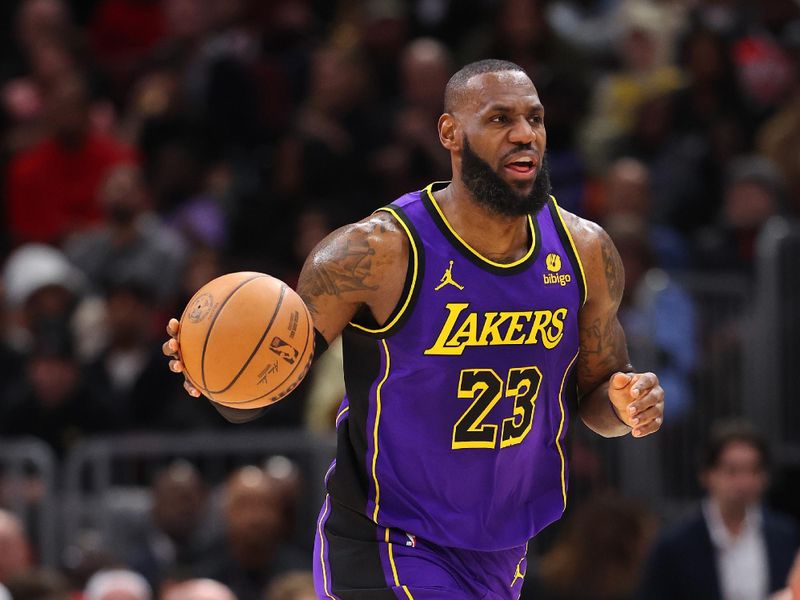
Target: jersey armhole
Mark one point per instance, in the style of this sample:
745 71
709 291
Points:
569 246
364 322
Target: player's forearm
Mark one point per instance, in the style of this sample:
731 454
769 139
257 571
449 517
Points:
598 414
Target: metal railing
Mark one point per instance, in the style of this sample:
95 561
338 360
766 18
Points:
99 467
29 477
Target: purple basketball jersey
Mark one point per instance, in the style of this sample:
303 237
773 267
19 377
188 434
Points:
454 423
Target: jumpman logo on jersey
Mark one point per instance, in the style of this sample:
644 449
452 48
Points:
447 278
518 574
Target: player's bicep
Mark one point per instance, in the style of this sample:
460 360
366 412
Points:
351 268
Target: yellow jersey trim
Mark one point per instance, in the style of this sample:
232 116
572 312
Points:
407 301
322 547
429 191
574 249
375 434
394 568
561 428
341 412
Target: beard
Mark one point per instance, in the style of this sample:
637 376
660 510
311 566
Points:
500 197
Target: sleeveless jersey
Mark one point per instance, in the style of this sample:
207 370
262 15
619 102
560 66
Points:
456 410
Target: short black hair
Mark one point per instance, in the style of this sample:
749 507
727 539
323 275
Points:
727 432
454 91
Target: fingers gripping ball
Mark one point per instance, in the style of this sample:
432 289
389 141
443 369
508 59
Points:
246 340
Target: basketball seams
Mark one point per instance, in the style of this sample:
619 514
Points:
257 345
211 327
309 339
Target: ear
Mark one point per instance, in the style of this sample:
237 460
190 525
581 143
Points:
449 132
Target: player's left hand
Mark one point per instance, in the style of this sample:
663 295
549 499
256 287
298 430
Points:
638 400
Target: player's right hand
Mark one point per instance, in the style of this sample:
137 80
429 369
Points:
171 348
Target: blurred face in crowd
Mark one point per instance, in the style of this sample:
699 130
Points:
178 501
39 19
15 554
123 195
198 589
748 205
252 510
67 107
739 478
425 70
53 378
187 19
500 122
337 80
129 319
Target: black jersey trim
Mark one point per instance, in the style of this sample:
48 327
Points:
569 246
468 251
364 322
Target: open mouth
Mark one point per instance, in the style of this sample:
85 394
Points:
523 166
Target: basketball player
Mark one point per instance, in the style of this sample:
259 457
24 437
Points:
471 313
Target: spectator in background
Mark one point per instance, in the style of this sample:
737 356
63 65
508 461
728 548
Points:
294 585
658 315
629 194
198 589
16 556
52 401
413 156
754 192
40 285
118 584
52 188
126 370
598 556
132 244
253 553
39 584
176 537
734 548
646 73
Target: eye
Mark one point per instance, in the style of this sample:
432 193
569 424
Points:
537 119
499 119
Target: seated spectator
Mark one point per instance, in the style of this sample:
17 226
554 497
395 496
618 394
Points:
129 371
39 584
294 585
16 557
175 537
253 553
598 557
132 244
754 191
39 283
658 315
52 401
118 584
52 188
198 589
733 547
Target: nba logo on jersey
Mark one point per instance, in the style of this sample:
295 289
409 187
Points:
412 540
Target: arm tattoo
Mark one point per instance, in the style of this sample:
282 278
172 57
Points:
614 271
345 266
347 272
599 350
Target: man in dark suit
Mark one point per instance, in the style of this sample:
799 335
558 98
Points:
733 548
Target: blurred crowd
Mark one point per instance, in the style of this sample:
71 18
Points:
147 146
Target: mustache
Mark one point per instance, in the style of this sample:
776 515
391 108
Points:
522 148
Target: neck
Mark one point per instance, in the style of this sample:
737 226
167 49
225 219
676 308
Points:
497 237
733 516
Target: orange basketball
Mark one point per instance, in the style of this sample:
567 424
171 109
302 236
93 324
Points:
246 340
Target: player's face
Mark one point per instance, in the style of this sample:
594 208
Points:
503 120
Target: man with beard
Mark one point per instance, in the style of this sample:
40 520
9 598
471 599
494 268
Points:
472 312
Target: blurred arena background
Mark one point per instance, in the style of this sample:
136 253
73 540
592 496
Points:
150 145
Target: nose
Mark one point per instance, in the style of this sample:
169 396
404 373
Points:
522 132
